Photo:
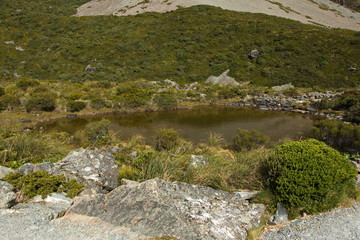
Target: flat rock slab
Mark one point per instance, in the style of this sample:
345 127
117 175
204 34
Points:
157 208
341 223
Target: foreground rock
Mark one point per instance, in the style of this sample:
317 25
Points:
157 208
7 196
341 223
5 171
223 79
98 171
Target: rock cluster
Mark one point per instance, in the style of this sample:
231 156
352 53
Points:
301 104
223 79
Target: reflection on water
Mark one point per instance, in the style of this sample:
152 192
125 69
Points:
196 123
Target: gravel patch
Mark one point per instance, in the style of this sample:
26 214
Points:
34 222
339 224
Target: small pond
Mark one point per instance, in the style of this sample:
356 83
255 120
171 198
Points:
196 123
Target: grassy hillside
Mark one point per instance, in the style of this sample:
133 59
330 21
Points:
185 45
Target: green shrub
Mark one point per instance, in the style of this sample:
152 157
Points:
24 84
74 95
42 183
98 103
75 106
9 102
2 91
339 135
353 114
136 98
128 172
166 100
166 139
41 102
309 176
246 140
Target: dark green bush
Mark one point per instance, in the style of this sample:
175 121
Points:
75 106
9 102
309 176
2 91
41 102
166 139
136 98
166 100
24 84
246 140
98 103
42 183
353 114
339 135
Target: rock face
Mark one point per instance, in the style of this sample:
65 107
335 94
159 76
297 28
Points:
98 171
157 208
7 196
5 171
223 79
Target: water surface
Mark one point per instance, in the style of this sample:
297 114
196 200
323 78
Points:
196 123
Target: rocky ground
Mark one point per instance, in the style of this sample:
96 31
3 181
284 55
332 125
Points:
341 223
322 12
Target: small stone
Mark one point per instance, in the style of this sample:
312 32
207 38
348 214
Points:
253 54
7 196
5 171
198 161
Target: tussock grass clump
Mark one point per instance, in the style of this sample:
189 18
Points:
247 140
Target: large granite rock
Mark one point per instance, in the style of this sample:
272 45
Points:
98 171
7 196
157 208
5 171
223 79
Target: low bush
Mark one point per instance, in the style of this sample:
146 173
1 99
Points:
41 102
339 135
166 139
309 176
75 106
42 183
98 103
246 140
24 84
9 102
166 100
2 91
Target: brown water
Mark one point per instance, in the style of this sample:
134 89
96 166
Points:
195 124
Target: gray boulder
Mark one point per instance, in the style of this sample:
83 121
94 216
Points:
98 171
28 168
89 68
198 161
280 216
254 54
156 208
223 79
128 182
7 196
352 69
5 171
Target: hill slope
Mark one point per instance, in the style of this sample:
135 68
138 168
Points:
39 39
322 12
